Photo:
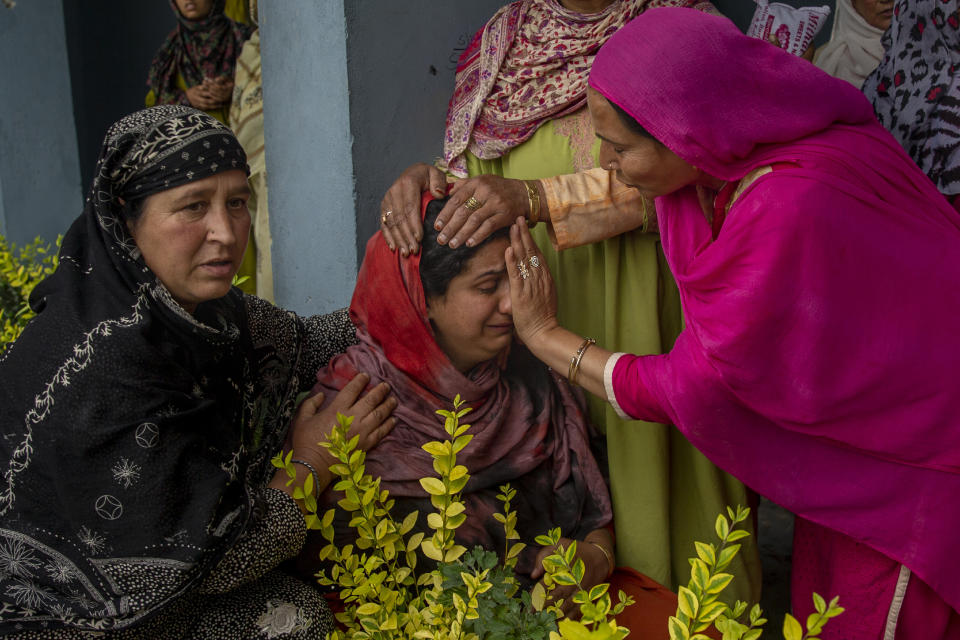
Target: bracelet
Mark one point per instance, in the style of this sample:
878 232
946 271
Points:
316 477
577 357
533 199
606 554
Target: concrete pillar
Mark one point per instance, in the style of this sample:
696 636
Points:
309 153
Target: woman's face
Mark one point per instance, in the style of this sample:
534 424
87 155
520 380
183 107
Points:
877 13
193 236
473 321
640 161
194 9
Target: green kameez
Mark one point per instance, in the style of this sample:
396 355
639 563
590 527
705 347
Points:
666 494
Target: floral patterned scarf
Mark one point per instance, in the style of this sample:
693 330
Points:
528 65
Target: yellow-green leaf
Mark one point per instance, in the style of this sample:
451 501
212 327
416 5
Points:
718 583
408 522
687 602
368 609
678 630
791 628
433 486
706 552
430 550
454 553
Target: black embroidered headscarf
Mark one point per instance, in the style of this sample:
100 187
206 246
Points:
196 49
132 433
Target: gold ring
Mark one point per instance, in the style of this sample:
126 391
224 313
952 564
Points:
385 218
472 203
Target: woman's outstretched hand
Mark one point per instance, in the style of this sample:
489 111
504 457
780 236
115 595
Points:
532 293
400 207
496 203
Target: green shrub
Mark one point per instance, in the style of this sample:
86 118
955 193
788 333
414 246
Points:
469 595
20 271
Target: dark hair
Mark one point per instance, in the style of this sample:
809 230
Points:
439 264
630 122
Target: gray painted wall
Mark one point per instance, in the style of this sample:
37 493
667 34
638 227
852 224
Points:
401 62
38 162
110 45
349 113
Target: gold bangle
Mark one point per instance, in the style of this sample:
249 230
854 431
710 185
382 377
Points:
577 357
533 199
606 554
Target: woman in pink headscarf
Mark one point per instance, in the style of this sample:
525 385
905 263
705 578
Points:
819 272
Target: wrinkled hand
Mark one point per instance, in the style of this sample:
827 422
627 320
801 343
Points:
202 98
400 207
595 567
504 200
534 298
371 420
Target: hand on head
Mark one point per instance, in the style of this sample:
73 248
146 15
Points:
400 207
477 207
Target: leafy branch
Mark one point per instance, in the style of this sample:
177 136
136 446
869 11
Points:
699 605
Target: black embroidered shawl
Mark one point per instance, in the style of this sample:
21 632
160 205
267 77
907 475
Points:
133 435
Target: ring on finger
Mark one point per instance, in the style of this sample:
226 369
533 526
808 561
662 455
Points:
535 262
472 203
522 267
385 218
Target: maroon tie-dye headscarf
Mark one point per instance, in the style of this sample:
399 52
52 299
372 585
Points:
528 427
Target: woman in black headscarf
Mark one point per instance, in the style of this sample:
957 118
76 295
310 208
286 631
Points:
195 64
142 406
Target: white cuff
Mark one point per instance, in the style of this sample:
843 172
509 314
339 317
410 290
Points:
608 384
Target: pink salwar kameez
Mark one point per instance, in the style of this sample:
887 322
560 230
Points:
818 363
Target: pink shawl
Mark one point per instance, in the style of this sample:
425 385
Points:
819 360
528 427
529 64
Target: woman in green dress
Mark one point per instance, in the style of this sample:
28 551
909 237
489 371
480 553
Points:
519 112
